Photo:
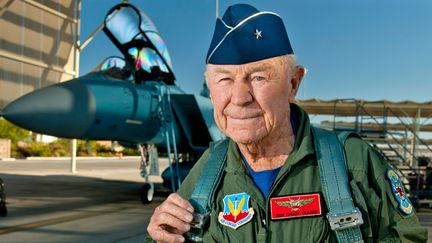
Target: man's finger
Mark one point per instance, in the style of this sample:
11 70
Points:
176 211
180 202
161 235
171 219
172 222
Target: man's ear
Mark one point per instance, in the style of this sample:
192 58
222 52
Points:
296 81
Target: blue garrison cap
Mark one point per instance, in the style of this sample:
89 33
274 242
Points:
245 34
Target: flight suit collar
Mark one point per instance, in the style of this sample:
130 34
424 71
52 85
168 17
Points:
303 146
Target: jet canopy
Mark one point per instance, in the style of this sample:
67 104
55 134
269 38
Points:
116 67
132 31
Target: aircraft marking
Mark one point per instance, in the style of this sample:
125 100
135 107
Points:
135 122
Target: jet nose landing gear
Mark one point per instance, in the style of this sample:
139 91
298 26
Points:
147 192
148 154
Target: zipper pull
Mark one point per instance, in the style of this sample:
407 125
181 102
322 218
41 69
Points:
262 233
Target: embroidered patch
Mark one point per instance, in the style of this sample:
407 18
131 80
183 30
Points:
236 210
295 206
398 192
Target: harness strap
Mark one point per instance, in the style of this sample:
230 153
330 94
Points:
203 193
344 218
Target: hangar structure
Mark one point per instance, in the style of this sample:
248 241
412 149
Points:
401 131
39 45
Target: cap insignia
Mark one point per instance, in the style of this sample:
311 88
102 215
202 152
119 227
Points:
258 34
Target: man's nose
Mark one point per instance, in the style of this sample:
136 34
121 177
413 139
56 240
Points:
241 93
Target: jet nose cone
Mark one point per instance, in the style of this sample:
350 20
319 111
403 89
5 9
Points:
63 110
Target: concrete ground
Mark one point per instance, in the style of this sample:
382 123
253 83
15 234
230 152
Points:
100 203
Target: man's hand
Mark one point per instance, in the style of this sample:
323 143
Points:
171 220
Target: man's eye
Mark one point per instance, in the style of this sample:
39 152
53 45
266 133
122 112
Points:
259 78
222 80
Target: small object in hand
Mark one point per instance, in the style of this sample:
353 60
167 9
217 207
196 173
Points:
198 224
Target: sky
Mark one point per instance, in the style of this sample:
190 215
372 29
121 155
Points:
371 50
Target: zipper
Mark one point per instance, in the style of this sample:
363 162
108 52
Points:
262 232
263 219
272 188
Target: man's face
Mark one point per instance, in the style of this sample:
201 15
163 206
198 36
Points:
251 101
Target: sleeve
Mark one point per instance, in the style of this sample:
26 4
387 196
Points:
385 219
188 185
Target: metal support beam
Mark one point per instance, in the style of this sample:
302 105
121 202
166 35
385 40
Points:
92 35
33 62
50 10
90 38
4 6
415 129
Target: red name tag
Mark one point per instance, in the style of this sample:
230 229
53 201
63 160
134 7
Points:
295 206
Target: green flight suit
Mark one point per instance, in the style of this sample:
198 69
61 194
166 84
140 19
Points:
372 193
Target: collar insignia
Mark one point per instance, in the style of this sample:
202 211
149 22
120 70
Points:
295 206
236 210
398 192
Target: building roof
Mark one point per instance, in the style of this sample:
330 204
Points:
351 107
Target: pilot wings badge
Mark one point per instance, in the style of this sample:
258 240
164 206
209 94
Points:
295 206
236 210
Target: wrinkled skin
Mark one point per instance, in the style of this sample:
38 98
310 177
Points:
171 220
251 106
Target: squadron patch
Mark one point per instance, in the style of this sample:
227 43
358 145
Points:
398 192
236 210
295 206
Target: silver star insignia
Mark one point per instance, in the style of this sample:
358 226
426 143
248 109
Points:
258 34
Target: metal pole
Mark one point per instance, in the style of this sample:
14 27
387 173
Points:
90 38
415 130
167 137
173 139
76 69
73 155
217 9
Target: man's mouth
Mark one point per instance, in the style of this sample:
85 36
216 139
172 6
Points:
244 116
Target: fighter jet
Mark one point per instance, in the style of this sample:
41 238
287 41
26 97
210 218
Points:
133 99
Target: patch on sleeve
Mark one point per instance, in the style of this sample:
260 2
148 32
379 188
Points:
398 192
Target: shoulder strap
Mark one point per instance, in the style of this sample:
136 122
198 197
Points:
344 135
204 191
344 218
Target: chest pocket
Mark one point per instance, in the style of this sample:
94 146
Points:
311 229
222 233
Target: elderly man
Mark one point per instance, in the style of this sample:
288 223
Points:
269 188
